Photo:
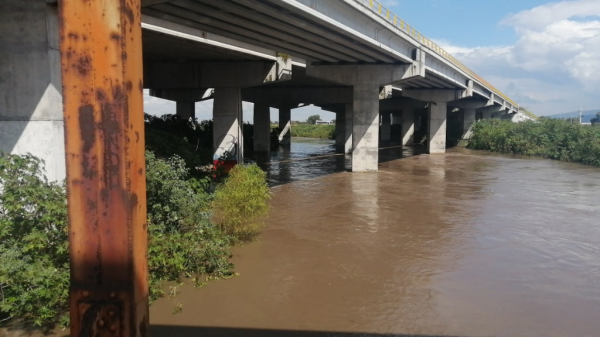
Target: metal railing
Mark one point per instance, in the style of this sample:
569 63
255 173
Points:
392 18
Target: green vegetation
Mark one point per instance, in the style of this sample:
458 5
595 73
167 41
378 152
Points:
34 255
314 131
240 203
313 119
547 138
183 241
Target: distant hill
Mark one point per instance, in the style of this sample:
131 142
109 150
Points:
587 115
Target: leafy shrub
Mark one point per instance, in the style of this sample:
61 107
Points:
182 240
34 273
34 268
241 202
547 138
313 131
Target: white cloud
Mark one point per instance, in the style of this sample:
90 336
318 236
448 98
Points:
555 64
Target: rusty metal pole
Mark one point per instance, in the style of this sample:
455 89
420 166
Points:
101 58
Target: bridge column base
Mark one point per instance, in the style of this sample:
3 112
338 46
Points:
349 123
436 135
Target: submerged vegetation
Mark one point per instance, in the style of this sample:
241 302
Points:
194 217
314 131
546 138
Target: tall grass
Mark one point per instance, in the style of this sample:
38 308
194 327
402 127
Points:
546 138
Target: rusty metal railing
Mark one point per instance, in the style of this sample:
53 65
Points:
399 23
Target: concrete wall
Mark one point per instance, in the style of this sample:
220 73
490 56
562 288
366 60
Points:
31 116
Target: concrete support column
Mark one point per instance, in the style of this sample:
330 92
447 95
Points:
31 108
340 131
468 120
365 140
348 129
436 135
408 125
386 126
228 139
285 120
262 128
186 110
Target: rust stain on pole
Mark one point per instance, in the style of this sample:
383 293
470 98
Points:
101 57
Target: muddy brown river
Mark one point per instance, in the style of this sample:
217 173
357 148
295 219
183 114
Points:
461 244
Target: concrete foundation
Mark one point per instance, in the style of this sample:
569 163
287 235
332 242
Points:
262 128
31 111
386 127
285 119
186 110
436 135
365 138
228 139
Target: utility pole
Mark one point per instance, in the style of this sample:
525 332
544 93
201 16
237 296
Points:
580 113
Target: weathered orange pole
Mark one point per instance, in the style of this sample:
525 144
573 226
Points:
101 57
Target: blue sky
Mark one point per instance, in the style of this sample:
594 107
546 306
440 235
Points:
543 54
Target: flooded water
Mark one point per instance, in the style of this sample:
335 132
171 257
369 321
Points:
461 244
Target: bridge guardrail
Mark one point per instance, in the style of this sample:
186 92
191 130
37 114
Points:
392 18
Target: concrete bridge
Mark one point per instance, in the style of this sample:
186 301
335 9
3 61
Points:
353 57
71 80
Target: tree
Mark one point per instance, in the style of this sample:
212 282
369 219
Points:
596 120
313 119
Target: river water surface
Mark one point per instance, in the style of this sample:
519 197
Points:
461 244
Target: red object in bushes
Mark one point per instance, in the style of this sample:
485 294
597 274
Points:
224 165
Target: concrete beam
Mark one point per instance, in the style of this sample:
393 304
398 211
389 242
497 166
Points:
182 95
380 75
438 96
194 75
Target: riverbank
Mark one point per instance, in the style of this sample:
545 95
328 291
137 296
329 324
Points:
546 138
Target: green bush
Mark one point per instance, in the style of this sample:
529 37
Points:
182 240
547 138
313 131
34 268
241 202
34 273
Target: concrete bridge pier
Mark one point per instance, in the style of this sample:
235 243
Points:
408 122
31 107
366 81
492 111
437 105
469 113
226 78
228 139
262 128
